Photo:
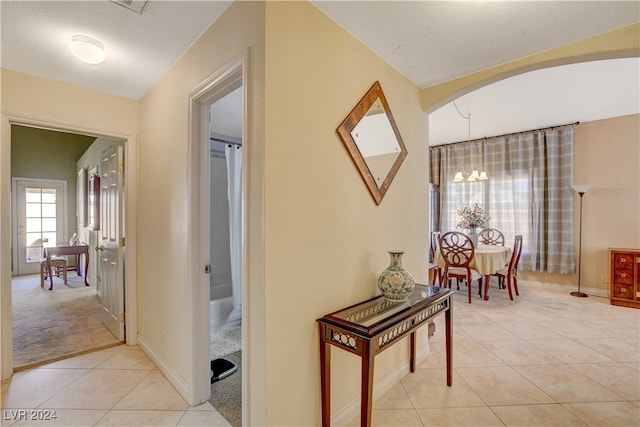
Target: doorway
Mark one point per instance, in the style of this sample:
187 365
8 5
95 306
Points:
72 312
39 207
218 238
225 213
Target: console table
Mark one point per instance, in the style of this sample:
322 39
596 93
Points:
369 327
76 250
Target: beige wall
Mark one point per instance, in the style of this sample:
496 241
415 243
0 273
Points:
326 240
62 105
606 155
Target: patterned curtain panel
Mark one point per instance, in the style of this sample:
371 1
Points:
528 191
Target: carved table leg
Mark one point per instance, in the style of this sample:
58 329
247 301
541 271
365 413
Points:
412 356
49 272
366 388
486 288
86 267
448 342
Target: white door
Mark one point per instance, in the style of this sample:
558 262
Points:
40 209
110 247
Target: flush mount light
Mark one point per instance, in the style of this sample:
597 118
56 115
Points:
87 49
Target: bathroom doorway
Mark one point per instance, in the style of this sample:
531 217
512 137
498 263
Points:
218 233
225 186
225 212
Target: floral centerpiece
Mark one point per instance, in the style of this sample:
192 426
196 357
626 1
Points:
472 217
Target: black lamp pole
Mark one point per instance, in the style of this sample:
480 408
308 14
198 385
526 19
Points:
580 190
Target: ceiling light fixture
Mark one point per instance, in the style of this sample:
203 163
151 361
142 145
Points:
87 49
472 172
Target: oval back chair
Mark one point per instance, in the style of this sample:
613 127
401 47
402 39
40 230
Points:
491 236
457 251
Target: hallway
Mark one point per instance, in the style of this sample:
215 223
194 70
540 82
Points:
118 386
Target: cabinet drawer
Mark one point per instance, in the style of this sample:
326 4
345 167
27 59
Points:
622 291
623 260
624 270
623 277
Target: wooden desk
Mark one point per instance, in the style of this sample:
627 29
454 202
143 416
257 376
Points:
374 325
68 250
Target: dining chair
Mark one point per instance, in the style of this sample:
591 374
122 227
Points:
73 240
435 272
58 265
457 252
491 236
510 271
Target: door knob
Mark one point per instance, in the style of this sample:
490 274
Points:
100 248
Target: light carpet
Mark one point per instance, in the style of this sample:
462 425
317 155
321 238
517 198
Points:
225 341
48 325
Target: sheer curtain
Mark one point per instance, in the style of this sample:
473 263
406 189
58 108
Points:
233 155
528 191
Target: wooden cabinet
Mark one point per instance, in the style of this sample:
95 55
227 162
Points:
625 277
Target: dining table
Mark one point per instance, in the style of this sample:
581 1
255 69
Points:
487 260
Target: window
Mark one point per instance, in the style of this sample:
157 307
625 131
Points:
528 192
41 221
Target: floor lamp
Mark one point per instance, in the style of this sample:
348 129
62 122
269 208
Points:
580 189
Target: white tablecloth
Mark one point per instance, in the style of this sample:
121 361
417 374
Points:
487 259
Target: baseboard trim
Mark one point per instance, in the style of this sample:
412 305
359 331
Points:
172 376
352 410
596 292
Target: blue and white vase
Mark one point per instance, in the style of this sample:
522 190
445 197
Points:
396 283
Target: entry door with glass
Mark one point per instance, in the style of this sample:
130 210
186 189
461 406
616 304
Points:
40 212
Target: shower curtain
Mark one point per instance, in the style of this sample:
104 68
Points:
233 154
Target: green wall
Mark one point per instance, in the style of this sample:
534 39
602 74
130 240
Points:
46 154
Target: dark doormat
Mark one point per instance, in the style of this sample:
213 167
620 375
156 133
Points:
222 368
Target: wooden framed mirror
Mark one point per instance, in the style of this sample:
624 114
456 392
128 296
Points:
373 140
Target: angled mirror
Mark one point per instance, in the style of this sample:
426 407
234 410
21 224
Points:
372 138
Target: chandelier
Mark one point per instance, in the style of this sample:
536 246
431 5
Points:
470 173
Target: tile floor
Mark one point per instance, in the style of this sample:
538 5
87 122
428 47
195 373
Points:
118 386
545 359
